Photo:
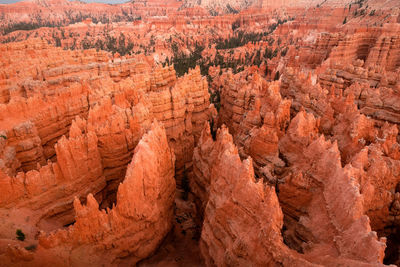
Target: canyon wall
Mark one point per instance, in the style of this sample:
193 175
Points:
111 153
361 153
38 110
133 228
71 123
243 220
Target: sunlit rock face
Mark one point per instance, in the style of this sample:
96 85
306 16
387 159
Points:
137 224
72 131
235 199
200 133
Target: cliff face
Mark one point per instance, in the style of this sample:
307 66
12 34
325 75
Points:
111 155
231 6
255 112
218 6
379 103
348 141
183 109
46 13
43 196
243 221
44 99
70 128
376 47
316 164
134 227
242 218
143 215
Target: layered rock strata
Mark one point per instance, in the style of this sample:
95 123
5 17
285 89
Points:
315 166
74 130
243 221
134 227
40 109
42 199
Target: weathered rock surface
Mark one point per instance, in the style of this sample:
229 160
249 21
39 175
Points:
316 167
242 217
134 227
243 221
308 90
42 199
74 131
40 109
255 112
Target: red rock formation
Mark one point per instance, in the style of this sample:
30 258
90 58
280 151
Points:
304 92
44 197
242 218
352 130
378 103
134 227
262 115
238 96
61 12
118 100
316 168
183 109
47 103
376 46
308 90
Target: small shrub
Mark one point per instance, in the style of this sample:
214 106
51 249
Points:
215 99
20 235
277 76
284 51
31 247
213 132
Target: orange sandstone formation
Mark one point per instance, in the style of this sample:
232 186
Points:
43 198
134 227
242 218
113 149
34 126
243 221
143 213
117 101
316 167
351 135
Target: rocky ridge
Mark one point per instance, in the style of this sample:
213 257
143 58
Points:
305 172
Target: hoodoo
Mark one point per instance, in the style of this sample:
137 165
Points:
200 133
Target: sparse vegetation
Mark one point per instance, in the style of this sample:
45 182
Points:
36 21
213 132
20 235
284 51
215 99
31 247
277 76
182 62
27 26
235 25
231 9
241 38
110 44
